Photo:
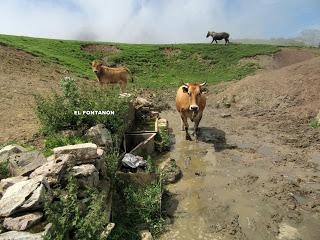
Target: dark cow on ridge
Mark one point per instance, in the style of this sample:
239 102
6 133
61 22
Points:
219 36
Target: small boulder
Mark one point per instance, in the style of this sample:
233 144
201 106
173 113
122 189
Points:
170 171
140 102
23 222
22 164
101 167
145 235
162 123
100 135
54 169
10 150
83 153
87 175
24 195
287 232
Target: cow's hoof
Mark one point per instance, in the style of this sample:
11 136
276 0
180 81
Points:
188 138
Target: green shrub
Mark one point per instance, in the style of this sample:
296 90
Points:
162 140
4 169
56 112
71 218
315 123
111 161
136 207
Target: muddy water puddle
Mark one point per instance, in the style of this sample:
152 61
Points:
228 192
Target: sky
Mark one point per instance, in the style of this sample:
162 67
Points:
157 21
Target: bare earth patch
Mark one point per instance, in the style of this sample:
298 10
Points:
105 49
283 58
171 52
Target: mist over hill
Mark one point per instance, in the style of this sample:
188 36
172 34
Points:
308 37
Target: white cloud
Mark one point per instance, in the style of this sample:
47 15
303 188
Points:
151 20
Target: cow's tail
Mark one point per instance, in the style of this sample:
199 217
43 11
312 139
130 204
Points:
131 75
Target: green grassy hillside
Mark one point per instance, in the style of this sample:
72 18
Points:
152 65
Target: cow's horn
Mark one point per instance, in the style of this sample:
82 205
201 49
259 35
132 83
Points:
185 84
202 84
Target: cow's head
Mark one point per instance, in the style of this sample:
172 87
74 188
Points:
194 90
208 34
96 65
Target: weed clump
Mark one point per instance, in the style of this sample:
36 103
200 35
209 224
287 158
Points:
74 218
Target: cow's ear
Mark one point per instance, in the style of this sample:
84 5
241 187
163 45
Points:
185 89
204 90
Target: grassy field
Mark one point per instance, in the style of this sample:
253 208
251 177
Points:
153 66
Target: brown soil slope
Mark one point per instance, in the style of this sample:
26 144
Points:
21 76
287 98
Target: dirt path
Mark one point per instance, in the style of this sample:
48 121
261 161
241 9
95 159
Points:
254 173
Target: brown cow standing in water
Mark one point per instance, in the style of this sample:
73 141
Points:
109 75
190 103
219 36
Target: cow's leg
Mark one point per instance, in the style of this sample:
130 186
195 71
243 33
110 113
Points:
212 40
216 41
186 126
196 125
182 125
123 87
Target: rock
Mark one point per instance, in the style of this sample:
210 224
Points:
225 115
87 175
170 171
70 133
10 150
7 182
24 195
107 231
16 235
23 222
154 114
162 123
22 164
84 152
125 95
100 152
140 102
286 232
145 235
100 135
54 169
101 167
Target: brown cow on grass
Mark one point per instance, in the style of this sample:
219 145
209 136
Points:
219 36
190 103
109 75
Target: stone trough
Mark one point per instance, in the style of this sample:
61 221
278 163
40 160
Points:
141 142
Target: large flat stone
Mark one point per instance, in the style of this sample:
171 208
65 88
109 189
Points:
23 222
84 152
22 164
16 235
22 196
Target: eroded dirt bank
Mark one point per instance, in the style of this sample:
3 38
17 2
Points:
254 173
